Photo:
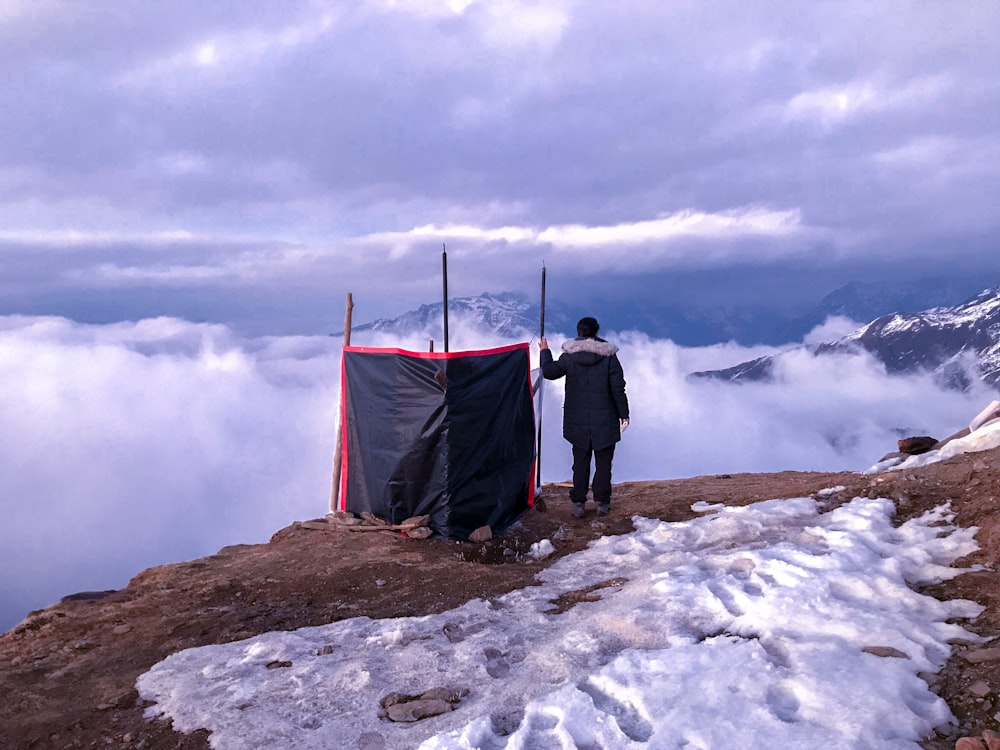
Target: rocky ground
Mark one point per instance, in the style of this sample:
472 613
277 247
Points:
68 672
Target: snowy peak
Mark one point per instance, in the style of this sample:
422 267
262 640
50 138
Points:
956 343
509 314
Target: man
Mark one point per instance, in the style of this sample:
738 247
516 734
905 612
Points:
595 411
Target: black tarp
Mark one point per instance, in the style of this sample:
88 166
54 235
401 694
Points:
447 434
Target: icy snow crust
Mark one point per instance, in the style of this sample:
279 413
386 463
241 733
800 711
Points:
742 628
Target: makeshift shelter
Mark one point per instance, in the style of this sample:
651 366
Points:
449 435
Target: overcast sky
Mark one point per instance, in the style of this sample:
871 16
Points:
251 162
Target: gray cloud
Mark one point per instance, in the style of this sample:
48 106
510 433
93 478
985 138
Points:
322 122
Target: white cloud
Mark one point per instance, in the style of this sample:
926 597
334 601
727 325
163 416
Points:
825 413
499 23
834 327
833 104
133 445
13 11
919 153
750 221
136 444
212 59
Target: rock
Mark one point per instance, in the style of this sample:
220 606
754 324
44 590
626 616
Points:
482 534
981 655
373 520
931 678
894 454
885 651
416 710
979 688
914 446
278 664
324 651
122 629
88 596
434 702
452 695
421 532
417 521
343 518
393 698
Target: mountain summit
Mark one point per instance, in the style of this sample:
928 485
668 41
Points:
509 314
958 344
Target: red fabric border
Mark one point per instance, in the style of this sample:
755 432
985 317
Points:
440 355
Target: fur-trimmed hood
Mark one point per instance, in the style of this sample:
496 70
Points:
600 347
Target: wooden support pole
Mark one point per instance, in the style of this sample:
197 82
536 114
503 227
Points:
541 389
335 489
444 280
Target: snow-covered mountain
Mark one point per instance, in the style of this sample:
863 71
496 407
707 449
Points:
515 314
508 314
956 343
867 300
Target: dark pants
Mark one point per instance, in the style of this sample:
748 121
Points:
602 473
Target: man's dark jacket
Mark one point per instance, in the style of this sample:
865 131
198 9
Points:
595 391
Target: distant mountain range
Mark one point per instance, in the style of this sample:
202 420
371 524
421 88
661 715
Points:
700 325
515 314
956 343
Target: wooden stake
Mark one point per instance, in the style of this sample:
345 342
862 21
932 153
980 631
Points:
444 280
335 490
541 390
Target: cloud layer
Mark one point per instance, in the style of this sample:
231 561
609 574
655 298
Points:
131 445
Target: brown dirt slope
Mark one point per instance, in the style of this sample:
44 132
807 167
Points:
68 672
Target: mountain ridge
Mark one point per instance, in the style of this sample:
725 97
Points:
512 314
957 344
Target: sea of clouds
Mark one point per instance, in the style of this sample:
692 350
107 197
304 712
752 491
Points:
136 444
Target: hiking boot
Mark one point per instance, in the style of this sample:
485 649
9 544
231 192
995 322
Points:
578 510
603 509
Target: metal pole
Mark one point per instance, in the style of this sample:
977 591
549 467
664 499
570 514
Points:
335 490
541 390
444 277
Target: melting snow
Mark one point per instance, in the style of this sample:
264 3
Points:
745 627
